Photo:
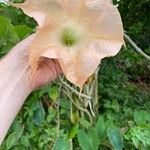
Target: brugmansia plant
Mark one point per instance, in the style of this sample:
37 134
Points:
78 34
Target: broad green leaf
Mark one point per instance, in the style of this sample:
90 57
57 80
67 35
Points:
136 142
13 14
115 138
93 135
54 93
11 141
25 141
5 48
115 105
101 128
73 132
7 30
84 140
22 31
43 90
18 128
39 114
64 103
141 117
5 25
51 115
84 123
62 144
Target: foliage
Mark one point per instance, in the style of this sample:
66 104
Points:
49 120
115 138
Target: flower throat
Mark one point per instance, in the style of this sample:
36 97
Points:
69 37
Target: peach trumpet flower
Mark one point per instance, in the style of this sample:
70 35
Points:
79 33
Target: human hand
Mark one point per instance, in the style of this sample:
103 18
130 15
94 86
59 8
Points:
47 71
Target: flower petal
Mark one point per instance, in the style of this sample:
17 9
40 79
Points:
97 3
91 57
43 45
42 10
74 7
69 63
104 20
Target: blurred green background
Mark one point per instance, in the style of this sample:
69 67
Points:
124 94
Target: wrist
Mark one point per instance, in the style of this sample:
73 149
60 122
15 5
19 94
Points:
15 88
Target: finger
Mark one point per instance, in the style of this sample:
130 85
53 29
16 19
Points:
48 71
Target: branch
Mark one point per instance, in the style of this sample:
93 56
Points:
74 91
79 107
136 47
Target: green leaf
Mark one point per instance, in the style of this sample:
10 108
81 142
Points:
25 141
136 142
54 93
43 90
93 135
73 132
84 140
11 140
5 48
11 13
141 117
39 114
22 31
141 135
7 30
101 128
5 24
51 114
84 123
64 103
115 138
18 128
62 144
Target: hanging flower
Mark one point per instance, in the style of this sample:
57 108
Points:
79 33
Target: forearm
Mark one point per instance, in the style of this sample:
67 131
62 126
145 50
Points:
14 89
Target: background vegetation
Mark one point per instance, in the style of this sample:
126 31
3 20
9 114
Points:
50 120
